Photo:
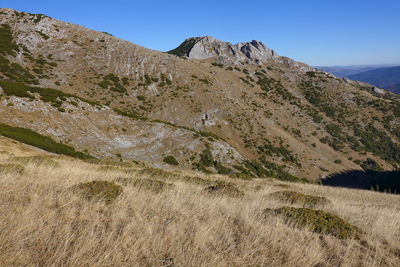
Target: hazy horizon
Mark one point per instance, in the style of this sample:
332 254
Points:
319 33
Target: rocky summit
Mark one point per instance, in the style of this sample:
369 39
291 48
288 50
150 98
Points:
225 52
206 105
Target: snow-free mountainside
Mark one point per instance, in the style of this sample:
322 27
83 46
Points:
210 154
216 107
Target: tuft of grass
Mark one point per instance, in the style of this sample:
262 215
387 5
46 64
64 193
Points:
103 190
292 197
12 168
153 185
318 221
224 188
37 160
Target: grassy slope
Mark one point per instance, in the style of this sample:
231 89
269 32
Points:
43 222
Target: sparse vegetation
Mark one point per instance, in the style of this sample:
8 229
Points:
112 82
55 97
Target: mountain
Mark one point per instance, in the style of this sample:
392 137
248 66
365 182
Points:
207 105
395 88
387 78
345 71
254 52
208 47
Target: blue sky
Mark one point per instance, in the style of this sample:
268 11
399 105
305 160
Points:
317 32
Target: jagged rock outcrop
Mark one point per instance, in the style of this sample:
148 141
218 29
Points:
254 52
225 52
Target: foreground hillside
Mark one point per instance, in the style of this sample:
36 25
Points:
148 217
247 112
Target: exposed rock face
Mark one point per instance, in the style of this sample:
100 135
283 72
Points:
253 53
378 90
207 47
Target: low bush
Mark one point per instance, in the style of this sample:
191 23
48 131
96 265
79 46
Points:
171 160
318 221
44 142
102 190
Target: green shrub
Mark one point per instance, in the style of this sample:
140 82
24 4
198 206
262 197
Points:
317 221
378 142
102 190
141 97
217 65
7 44
43 35
292 197
371 165
44 142
171 160
113 81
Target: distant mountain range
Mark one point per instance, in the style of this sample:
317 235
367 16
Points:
383 76
387 78
345 71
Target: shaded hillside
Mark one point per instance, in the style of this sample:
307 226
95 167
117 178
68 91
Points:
383 181
345 71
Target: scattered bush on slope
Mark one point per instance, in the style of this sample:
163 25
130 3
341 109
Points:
44 142
103 190
318 221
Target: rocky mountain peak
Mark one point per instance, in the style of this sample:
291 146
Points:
254 52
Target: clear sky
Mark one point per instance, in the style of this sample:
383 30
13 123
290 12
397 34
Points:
317 32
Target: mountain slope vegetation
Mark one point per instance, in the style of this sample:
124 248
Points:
263 116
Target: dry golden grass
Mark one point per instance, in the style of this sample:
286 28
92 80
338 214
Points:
44 223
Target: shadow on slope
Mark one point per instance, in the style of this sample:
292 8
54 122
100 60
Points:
383 181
